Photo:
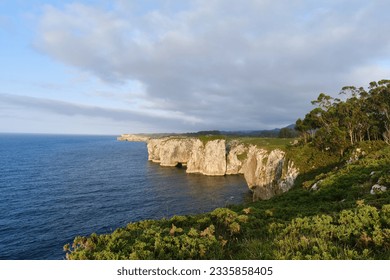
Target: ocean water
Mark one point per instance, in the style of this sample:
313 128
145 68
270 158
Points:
55 187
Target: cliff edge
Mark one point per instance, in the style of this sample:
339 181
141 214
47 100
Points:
267 173
133 138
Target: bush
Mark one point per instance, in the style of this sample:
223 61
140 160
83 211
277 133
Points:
176 238
357 234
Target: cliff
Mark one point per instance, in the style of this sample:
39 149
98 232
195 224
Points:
208 159
133 138
267 173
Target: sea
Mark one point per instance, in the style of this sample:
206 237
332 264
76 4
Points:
56 187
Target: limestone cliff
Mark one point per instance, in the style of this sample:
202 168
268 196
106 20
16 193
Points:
236 156
267 173
133 138
169 151
208 159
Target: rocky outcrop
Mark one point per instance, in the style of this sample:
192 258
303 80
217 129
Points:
133 138
208 159
377 189
215 158
236 156
172 152
154 146
267 173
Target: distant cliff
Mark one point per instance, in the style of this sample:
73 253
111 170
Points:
133 138
267 173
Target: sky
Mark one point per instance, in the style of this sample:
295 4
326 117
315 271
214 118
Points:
113 67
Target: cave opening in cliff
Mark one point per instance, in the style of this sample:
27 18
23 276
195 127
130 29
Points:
181 165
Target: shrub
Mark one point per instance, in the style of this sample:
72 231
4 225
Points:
176 238
354 234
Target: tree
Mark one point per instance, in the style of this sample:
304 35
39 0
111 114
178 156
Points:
335 124
302 129
380 103
286 133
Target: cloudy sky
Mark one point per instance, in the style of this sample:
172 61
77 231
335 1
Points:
111 67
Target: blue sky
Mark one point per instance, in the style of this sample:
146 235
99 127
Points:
111 67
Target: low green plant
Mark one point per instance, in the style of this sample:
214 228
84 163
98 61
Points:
181 237
207 138
361 233
268 144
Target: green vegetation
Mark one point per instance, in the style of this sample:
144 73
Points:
352 234
344 151
210 137
242 157
287 133
336 125
181 237
341 220
266 143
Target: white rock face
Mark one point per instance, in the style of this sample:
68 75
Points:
287 181
196 161
170 151
234 164
316 186
209 159
175 151
133 138
266 173
215 158
253 167
377 189
154 146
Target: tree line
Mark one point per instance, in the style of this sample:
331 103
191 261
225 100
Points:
360 114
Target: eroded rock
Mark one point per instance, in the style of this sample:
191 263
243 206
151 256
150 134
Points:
375 189
266 172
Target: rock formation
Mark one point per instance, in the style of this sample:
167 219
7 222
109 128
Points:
209 158
267 173
377 189
174 151
133 138
237 153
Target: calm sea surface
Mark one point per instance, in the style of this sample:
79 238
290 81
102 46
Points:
54 188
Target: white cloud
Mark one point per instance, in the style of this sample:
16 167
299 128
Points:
223 64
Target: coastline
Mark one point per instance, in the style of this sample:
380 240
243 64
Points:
267 171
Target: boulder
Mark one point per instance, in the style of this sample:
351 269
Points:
375 189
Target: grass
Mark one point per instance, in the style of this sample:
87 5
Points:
341 220
268 144
207 138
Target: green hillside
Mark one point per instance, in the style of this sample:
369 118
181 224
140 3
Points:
340 220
